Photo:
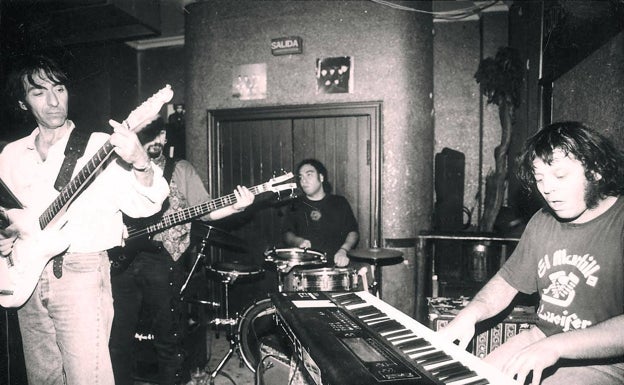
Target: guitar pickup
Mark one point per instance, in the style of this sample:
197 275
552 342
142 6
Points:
6 292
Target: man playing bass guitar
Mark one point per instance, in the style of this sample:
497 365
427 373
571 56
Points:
152 281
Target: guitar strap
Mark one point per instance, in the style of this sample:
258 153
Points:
75 148
169 167
167 174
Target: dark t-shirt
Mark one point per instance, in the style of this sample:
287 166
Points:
325 223
577 269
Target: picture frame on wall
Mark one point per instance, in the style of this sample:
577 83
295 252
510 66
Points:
334 75
249 82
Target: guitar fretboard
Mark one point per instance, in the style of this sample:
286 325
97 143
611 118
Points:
76 185
189 213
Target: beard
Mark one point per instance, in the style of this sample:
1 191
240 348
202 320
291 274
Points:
154 150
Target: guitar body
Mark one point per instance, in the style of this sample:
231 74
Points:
122 257
32 250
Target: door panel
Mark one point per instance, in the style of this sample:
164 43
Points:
340 143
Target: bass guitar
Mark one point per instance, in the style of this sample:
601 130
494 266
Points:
41 238
121 258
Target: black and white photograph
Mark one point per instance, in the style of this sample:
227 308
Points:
311 192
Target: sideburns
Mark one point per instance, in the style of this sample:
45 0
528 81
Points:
592 194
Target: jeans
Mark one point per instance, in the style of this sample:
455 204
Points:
148 290
568 373
66 323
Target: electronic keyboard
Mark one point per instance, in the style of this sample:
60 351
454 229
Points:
355 338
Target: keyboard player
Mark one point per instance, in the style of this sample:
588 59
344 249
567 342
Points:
571 254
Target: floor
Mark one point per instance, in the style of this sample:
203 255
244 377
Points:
234 372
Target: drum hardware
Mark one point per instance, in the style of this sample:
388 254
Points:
375 256
224 321
213 235
286 259
229 273
219 238
200 256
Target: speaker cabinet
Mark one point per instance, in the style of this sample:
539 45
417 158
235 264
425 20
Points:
449 190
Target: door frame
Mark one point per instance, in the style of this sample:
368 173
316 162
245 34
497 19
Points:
372 110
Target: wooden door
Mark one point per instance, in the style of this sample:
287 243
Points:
250 145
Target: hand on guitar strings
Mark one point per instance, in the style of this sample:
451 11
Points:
244 198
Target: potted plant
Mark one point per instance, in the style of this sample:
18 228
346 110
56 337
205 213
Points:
500 80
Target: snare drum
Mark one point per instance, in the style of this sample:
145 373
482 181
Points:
295 257
322 279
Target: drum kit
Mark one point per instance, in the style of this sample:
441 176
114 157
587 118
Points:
298 269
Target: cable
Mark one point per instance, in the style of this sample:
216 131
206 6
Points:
295 369
445 15
260 367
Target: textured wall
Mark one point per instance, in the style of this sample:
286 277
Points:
593 91
392 52
456 97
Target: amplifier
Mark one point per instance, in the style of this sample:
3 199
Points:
489 334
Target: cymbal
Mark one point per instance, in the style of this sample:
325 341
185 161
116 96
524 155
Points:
375 254
215 235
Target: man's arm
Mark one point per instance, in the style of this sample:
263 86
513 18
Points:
128 147
292 239
244 198
603 340
340 258
493 298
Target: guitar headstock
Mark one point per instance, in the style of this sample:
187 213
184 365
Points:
148 111
281 183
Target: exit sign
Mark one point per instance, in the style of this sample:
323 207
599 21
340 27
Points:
286 45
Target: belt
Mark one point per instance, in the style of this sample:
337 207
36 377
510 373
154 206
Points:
57 265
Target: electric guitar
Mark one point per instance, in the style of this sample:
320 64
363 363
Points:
41 238
121 258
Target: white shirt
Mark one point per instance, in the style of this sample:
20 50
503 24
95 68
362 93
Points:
94 219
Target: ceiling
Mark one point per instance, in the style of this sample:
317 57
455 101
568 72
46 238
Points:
68 22
145 22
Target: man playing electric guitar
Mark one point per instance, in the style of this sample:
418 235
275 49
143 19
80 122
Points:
152 281
65 324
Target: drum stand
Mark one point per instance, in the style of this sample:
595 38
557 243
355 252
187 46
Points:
228 279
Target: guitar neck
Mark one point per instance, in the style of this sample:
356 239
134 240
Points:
138 118
76 185
189 213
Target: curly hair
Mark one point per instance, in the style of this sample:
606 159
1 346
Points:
596 153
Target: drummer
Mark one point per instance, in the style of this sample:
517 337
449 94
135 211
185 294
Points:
320 220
